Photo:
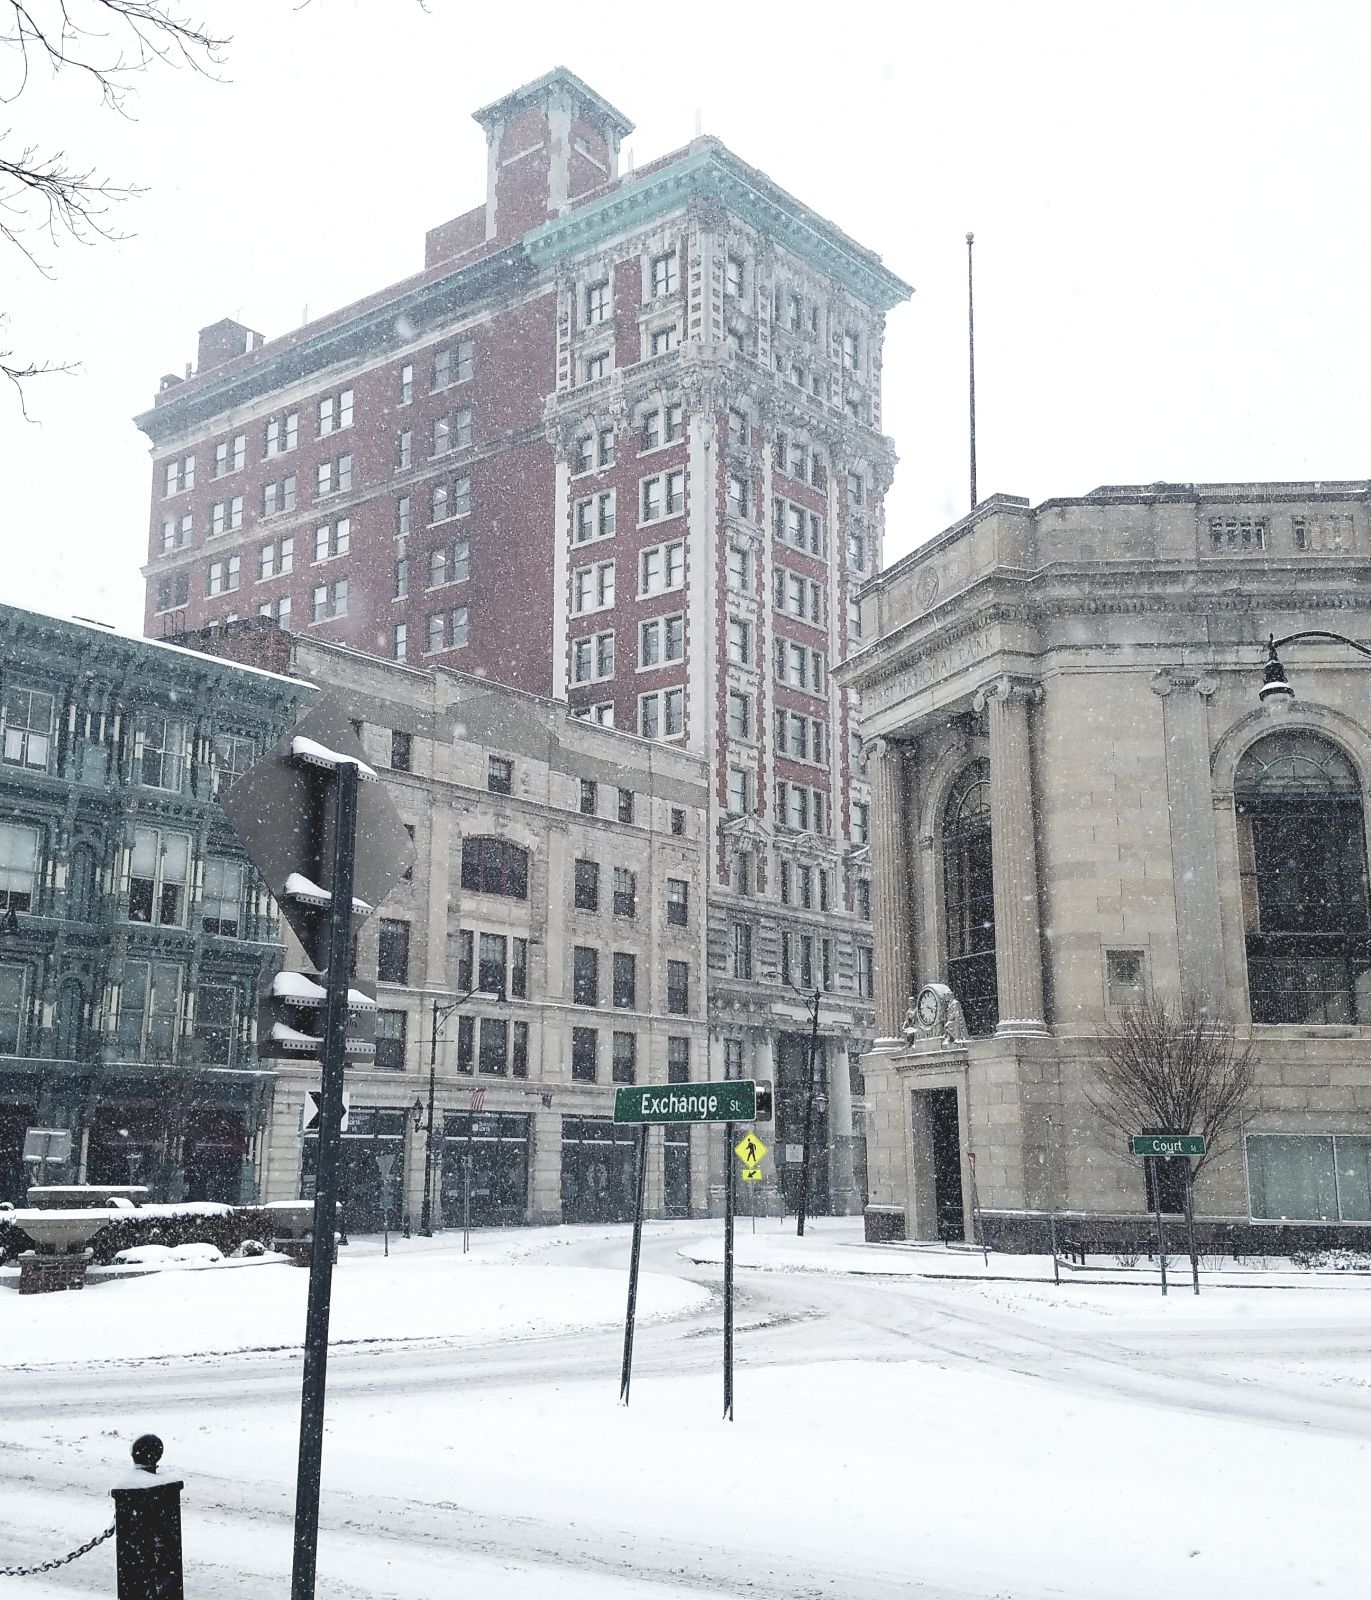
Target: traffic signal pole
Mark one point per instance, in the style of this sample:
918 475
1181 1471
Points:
326 1186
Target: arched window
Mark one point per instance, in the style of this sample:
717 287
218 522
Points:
494 866
1302 860
969 898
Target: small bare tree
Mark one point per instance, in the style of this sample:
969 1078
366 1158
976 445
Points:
1172 1067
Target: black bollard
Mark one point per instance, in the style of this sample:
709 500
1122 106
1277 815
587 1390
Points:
147 1523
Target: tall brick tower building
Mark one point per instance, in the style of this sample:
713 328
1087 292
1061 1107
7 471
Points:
618 442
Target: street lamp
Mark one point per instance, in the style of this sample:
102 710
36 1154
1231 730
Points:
440 1015
811 1097
1276 687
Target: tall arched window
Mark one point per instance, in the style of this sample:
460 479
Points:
1302 860
969 898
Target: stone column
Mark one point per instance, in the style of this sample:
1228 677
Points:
890 889
1014 857
1184 695
842 1191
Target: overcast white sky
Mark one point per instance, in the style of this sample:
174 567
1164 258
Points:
1169 202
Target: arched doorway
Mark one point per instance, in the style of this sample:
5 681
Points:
969 898
1302 864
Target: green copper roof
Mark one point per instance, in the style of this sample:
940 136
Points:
710 170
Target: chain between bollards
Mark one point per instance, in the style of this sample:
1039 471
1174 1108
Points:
59 1561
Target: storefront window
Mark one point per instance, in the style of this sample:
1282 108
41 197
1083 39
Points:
1309 1178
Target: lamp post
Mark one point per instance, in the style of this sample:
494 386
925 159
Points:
1276 687
440 1015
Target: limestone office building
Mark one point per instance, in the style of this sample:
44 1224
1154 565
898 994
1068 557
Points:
1078 799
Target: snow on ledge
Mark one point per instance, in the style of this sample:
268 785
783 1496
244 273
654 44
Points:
319 755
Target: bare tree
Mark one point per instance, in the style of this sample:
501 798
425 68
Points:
1172 1067
46 196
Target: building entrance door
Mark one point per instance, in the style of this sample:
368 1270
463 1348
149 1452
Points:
945 1139
597 1170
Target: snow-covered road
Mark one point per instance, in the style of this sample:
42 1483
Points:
894 1435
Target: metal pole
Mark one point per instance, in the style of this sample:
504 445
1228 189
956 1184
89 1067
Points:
1052 1232
728 1264
1157 1201
803 1211
631 1315
971 359
310 1464
1190 1223
426 1210
466 1178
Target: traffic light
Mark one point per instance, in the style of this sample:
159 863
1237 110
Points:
290 1020
764 1112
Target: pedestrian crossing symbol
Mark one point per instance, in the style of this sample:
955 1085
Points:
750 1150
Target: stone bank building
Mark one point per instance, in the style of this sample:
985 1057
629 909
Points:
1077 799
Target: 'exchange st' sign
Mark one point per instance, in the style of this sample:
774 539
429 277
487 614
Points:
732 1101
1166 1144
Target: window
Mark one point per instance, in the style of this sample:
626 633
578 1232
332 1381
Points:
1237 533
593 517
969 898
176 532
230 454
518 1051
626 805
332 539
404 450
739 792
490 974
401 748
664 276
625 892
180 475
214 1008
787 878
677 902
661 568
454 365
585 976
856 489
280 434
1124 977
335 413
390 1041
677 988
742 950
222 576
1333 531
849 350
595 367
222 900
226 516
173 590
1309 1178
592 658
12 1010
159 752
392 954
159 871
742 872
677 1059
651 429
661 341
739 570
499 775
865 972
584 1048
402 517
660 640
466 1044
597 302
332 477
400 642
400 587
406 384
586 894
733 277
1303 876
27 719
493 866
662 715
625 1063
589 795
451 433
149 1008
592 588
18 866
678 822
862 898
625 981
329 600
739 641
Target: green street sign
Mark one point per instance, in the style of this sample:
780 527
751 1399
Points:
1166 1144
734 1101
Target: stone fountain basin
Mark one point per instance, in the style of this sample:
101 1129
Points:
60 1232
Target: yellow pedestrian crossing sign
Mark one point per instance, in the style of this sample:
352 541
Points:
750 1150
752 1174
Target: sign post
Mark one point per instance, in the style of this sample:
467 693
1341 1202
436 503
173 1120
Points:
1156 1148
639 1105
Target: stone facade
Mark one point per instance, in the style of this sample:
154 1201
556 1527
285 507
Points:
1079 800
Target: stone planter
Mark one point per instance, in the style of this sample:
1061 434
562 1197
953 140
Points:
47 1274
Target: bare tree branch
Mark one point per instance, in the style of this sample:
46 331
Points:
1172 1067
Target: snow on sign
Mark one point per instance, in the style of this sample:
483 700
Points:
309 1112
1166 1144
733 1101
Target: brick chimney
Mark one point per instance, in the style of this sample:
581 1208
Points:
548 143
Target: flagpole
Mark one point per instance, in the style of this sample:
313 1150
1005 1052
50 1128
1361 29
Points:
971 358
